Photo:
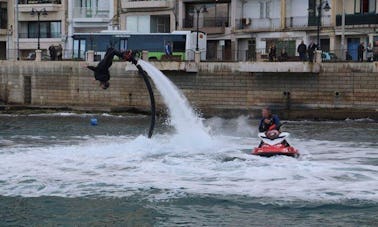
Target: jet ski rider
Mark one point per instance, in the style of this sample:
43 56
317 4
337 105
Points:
269 121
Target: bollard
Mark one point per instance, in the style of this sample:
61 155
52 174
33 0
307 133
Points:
145 55
38 55
318 56
90 56
197 56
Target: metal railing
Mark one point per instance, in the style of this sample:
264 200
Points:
88 12
42 35
358 19
303 22
39 2
206 22
219 55
259 24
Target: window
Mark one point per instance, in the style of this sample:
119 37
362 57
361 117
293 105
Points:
48 29
79 47
265 8
123 44
261 5
364 6
160 24
3 15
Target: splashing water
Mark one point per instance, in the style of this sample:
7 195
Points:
188 126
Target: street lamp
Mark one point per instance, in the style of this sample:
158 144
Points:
323 5
9 33
198 11
38 12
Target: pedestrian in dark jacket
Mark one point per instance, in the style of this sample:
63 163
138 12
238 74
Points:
361 49
302 48
272 52
311 51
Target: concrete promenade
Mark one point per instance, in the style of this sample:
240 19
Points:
294 89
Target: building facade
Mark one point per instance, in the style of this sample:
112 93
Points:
213 18
88 16
38 23
240 30
6 29
156 16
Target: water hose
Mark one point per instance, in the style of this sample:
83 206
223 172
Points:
134 60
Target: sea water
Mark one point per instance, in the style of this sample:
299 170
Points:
59 170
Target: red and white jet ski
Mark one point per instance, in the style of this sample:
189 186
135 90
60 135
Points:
274 143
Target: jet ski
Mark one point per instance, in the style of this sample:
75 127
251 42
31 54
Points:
274 143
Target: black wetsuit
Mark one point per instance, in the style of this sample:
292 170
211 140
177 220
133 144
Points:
101 71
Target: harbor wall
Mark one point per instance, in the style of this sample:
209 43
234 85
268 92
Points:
326 90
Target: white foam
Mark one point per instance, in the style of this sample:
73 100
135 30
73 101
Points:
188 125
113 166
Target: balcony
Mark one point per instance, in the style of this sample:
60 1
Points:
25 6
39 2
209 25
358 19
48 35
152 4
306 22
257 24
86 12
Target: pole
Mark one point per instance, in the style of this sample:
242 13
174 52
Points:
343 32
8 34
198 12
18 36
319 22
39 29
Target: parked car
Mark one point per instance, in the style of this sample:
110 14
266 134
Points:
31 56
327 56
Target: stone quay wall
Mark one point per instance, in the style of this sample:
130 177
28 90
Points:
296 90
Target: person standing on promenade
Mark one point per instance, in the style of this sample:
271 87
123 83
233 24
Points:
311 51
369 53
302 51
361 49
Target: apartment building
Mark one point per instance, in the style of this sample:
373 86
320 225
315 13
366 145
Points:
38 24
6 29
284 23
360 25
150 16
88 16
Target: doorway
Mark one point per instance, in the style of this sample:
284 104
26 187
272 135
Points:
353 47
3 50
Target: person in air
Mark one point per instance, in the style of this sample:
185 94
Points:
101 71
269 121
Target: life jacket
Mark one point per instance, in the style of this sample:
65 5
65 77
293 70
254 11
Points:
272 127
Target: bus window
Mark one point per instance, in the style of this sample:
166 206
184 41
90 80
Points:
123 44
178 46
79 48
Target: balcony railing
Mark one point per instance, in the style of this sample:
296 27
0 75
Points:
138 4
42 35
39 2
303 22
84 12
259 24
358 19
206 22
